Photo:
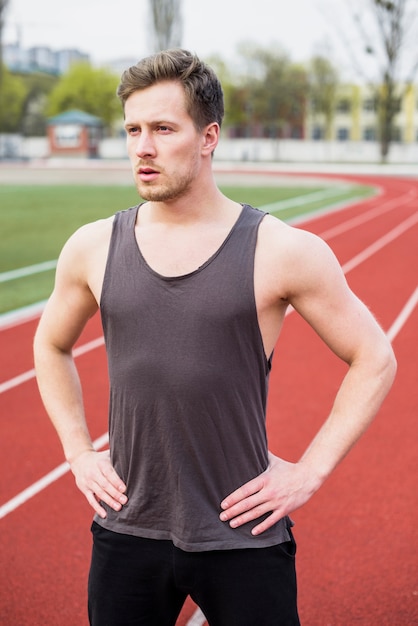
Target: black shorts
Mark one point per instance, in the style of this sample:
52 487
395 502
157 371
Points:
144 582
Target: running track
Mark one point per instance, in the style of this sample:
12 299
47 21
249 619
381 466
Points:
357 538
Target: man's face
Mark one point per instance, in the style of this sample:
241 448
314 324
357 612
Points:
164 146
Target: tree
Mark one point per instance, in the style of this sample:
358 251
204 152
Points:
3 7
167 24
12 99
388 32
38 87
271 94
234 112
89 89
323 83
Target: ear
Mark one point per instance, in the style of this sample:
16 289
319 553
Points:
210 138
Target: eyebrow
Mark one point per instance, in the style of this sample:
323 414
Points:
157 122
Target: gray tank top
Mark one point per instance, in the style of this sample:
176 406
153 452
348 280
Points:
188 386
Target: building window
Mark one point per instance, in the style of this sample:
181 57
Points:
342 134
370 104
369 134
296 132
344 106
317 133
68 136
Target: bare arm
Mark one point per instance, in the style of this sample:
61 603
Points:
69 308
317 289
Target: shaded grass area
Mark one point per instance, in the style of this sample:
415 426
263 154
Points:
35 222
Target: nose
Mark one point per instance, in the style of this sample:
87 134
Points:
145 146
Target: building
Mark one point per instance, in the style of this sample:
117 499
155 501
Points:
74 134
355 116
40 59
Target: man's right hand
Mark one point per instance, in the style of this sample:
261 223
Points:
98 481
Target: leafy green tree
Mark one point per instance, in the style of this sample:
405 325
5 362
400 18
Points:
323 84
12 99
38 87
89 89
3 7
272 93
234 115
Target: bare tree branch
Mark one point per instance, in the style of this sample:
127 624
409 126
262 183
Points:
167 24
383 28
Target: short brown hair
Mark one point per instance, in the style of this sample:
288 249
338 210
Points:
204 96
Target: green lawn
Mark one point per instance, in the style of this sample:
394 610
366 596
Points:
35 221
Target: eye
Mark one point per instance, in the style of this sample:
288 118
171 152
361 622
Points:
163 129
132 130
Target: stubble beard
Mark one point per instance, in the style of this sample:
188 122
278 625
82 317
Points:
163 193
176 185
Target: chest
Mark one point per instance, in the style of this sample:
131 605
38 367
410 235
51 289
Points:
179 251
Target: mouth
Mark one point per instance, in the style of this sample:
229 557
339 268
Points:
147 174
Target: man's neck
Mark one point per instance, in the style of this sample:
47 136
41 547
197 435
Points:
191 208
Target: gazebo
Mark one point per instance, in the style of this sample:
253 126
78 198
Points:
74 134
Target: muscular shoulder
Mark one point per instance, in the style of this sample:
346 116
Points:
83 258
90 235
87 241
278 236
295 259
76 292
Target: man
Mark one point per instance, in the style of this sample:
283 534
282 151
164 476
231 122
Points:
193 290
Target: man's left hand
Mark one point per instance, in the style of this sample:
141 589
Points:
281 489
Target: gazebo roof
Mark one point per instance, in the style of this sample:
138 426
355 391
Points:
75 117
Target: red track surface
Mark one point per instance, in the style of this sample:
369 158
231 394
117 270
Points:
357 538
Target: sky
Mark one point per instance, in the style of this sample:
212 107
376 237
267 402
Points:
109 30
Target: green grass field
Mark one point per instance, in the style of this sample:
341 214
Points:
35 221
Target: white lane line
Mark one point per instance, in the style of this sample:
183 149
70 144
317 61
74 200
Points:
21 272
17 380
91 345
367 216
331 192
44 482
403 316
22 378
380 243
21 316
197 619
